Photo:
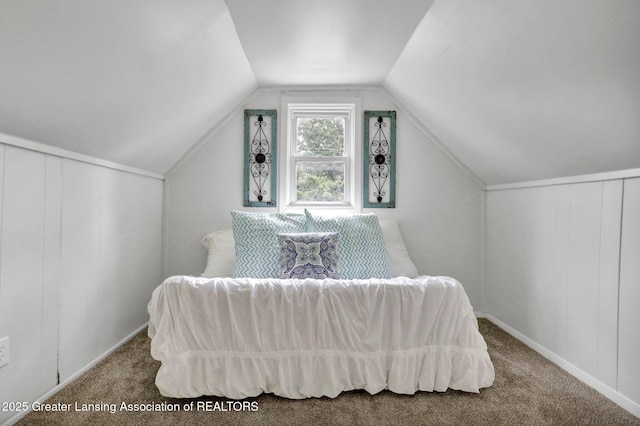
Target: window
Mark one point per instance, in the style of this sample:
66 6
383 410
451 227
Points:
320 155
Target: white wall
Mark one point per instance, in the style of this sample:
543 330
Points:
79 257
439 205
562 271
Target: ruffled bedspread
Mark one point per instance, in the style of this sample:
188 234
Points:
238 338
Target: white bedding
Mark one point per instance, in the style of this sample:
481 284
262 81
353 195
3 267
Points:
241 337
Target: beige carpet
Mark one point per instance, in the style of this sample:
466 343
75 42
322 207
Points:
528 390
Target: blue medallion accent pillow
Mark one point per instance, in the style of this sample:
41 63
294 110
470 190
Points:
308 255
255 234
363 253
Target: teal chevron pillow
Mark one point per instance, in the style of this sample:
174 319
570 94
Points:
362 250
255 234
309 255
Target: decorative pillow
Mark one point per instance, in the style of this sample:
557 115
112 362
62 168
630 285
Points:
362 251
222 254
255 234
308 255
401 263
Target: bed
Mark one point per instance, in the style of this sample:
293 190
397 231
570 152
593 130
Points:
304 306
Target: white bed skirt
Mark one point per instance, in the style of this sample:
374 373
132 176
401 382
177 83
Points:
238 338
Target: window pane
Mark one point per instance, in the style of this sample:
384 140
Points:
320 137
320 181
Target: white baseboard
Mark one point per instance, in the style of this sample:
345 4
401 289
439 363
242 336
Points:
615 396
77 374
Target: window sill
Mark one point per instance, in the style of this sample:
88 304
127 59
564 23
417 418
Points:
329 208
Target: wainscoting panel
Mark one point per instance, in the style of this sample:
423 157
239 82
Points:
629 367
111 251
81 266
583 274
52 269
560 297
608 283
552 269
80 254
21 273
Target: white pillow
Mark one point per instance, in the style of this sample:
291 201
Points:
401 263
222 254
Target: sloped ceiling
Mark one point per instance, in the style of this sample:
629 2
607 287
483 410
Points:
518 91
527 90
134 82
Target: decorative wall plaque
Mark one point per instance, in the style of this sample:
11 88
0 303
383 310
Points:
260 159
379 183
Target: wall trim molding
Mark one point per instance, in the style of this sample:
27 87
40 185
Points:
77 374
607 391
63 153
593 177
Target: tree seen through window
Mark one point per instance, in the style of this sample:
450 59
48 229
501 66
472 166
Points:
320 177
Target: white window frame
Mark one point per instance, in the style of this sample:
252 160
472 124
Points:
350 110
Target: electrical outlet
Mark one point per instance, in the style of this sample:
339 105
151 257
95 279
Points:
4 351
